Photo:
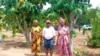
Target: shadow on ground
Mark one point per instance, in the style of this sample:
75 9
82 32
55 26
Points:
28 54
12 44
33 55
93 55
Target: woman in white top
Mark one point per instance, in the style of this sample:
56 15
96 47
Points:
48 34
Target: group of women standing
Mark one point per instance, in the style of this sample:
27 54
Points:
47 35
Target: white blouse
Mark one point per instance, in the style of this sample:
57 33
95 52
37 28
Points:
48 33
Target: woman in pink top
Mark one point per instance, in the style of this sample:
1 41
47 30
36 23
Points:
63 45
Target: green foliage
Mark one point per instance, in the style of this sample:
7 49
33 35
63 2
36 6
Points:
3 36
77 52
73 33
85 52
64 7
29 10
23 11
2 24
94 41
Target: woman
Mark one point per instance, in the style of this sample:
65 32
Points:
36 38
63 45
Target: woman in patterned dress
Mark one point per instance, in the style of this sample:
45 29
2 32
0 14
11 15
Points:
63 45
36 38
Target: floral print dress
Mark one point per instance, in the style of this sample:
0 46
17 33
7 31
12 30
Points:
36 39
63 45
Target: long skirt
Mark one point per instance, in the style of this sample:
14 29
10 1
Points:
63 46
36 44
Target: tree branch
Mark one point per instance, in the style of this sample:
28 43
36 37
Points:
75 20
19 24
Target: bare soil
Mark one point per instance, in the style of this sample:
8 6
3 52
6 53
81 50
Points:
80 42
15 46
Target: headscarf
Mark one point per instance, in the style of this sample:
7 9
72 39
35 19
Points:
35 21
61 20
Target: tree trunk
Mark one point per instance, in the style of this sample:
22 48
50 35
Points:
27 37
71 29
27 34
25 31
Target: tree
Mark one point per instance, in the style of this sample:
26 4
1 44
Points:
20 15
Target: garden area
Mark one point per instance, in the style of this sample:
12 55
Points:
16 20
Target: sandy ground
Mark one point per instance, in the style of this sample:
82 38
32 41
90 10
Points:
15 46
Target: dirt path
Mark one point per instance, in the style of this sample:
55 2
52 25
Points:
15 46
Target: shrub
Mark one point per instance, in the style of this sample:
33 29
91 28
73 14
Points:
3 36
94 41
73 33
